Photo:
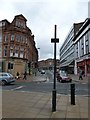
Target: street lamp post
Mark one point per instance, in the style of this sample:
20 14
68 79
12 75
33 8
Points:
54 40
38 57
39 53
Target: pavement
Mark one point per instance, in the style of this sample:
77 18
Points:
33 78
16 104
75 78
44 78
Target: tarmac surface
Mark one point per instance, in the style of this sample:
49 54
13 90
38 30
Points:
17 104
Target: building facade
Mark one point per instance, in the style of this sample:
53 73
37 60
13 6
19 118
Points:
67 50
18 52
48 64
82 48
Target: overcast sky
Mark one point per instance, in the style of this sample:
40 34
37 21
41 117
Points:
41 17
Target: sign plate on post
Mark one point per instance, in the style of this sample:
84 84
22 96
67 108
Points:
55 40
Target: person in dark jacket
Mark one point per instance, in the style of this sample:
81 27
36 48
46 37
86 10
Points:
25 75
17 75
80 75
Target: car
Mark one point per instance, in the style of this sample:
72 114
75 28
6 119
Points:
63 77
42 72
6 78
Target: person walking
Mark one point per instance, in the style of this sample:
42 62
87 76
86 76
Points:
80 75
25 75
17 75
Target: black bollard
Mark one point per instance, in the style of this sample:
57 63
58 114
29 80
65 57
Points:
54 100
73 94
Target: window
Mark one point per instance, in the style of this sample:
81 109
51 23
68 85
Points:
0 24
20 24
0 38
86 43
82 46
12 37
16 23
87 48
11 51
26 40
16 51
6 38
22 39
21 52
18 37
89 40
4 75
0 51
80 50
5 51
86 36
76 50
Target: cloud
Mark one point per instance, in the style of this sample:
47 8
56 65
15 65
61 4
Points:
41 17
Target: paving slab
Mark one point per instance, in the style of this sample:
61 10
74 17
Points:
39 105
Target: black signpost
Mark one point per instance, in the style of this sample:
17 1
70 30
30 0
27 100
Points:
54 40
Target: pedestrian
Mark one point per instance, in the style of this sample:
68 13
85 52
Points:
80 75
25 75
17 75
83 73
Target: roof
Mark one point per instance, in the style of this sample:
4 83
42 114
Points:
20 15
5 20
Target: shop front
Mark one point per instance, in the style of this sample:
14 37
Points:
84 65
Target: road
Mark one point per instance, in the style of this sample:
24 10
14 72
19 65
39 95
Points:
62 88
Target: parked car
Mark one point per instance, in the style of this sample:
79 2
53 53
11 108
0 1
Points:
6 78
63 77
42 72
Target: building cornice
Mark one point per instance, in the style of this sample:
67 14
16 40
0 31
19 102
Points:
85 24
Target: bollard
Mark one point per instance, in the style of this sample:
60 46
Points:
73 94
54 100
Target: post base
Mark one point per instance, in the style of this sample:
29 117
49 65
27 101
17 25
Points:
54 100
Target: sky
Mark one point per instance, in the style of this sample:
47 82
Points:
42 16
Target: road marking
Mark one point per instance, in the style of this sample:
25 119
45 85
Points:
17 88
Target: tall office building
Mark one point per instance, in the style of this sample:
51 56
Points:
67 50
82 48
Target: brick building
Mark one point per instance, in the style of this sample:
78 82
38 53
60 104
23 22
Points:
18 51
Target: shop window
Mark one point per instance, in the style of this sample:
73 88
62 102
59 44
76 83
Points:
10 65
